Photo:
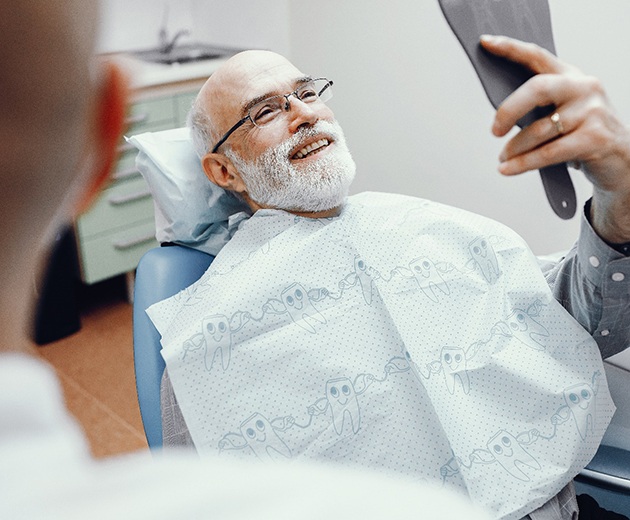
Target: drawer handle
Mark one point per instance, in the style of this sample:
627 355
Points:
132 242
138 118
125 174
126 199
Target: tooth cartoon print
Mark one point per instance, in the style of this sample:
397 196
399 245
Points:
218 338
300 307
453 360
580 399
428 278
263 439
415 370
344 405
484 256
525 329
365 279
508 452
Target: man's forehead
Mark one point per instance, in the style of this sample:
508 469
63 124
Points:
258 66
250 76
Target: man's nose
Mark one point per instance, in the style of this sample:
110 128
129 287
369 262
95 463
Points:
301 114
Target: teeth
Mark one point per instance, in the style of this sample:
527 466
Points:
311 148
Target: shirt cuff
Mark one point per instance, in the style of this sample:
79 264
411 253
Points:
608 270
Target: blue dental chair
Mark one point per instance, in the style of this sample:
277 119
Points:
161 273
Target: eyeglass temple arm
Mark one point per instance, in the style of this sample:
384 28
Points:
229 133
327 86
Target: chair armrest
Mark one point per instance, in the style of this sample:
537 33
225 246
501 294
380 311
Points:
607 476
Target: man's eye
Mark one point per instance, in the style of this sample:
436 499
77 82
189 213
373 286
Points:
308 94
265 114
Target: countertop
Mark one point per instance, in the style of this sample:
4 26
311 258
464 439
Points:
145 74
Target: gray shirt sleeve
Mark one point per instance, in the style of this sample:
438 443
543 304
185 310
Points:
592 283
175 432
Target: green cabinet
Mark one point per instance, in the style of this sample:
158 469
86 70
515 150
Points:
119 228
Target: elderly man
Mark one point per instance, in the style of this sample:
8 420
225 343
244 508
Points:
263 131
61 115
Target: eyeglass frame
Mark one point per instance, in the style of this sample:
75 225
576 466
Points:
288 107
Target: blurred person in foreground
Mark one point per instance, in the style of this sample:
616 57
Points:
61 116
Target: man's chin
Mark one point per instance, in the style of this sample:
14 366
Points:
313 184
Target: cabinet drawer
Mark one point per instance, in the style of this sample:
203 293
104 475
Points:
145 114
116 253
123 204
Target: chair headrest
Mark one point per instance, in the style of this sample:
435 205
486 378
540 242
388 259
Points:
189 209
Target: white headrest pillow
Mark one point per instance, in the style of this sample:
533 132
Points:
189 209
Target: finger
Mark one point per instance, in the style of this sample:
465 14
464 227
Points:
552 152
539 91
539 133
530 55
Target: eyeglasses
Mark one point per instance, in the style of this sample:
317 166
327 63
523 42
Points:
270 109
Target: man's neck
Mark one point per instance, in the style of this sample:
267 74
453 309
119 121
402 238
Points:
329 213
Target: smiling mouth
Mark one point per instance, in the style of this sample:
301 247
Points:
311 149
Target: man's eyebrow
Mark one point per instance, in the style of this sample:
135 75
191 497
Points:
247 106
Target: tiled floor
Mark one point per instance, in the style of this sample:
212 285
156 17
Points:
95 366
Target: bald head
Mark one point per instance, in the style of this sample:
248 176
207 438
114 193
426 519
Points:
220 102
226 89
44 50
52 127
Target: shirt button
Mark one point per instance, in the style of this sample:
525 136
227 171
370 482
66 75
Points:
605 332
618 277
594 261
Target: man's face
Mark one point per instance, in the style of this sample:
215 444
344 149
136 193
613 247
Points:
273 157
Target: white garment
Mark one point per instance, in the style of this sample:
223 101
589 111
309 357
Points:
404 336
46 473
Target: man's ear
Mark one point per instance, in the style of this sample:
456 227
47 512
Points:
220 170
109 120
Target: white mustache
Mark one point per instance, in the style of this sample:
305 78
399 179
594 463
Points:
319 129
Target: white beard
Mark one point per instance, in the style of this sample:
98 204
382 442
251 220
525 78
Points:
273 181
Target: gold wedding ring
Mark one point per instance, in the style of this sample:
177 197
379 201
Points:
555 119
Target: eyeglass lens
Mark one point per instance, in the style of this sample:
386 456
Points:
269 109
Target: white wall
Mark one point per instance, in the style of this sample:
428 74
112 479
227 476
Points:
415 115
134 24
413 110
245 24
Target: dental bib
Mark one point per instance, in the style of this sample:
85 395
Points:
403 336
